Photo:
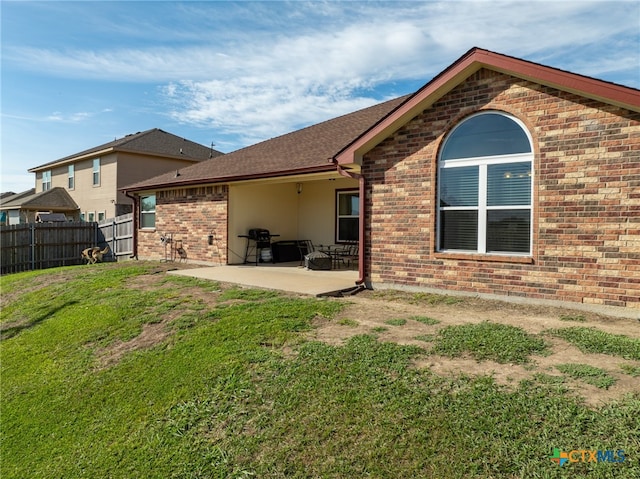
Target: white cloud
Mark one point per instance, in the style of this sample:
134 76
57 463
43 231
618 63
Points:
399 38
257 110
291 64
58 116
296 81
300 79
70 117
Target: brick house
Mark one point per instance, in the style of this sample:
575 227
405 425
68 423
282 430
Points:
499 177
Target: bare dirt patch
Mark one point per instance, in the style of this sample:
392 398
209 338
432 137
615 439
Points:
151 335
368 314
35 284
379 314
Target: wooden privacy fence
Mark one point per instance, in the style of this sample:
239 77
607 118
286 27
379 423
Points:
47 245
118 234
44 245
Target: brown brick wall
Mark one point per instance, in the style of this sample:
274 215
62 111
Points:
189 215
586 220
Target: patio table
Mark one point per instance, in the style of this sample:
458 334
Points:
334 251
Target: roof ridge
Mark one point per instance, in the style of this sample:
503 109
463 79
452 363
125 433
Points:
134 136
126 143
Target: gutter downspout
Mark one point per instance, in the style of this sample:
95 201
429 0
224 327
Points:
361 230
134 253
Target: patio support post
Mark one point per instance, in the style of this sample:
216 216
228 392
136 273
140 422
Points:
361 218
134 253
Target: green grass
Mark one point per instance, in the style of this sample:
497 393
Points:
425 320
486 340
549 379
220 398
579 318
589 374
352 323
431 298
591 340
630 369
417 298
427 338
396 322
202 284
247 294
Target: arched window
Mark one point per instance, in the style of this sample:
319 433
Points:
485 186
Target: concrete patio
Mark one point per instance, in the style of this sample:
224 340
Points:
281 276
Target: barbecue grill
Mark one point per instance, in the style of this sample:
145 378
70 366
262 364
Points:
259 246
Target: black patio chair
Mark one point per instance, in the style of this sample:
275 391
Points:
348 255
305 247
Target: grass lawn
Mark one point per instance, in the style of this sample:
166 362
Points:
123 371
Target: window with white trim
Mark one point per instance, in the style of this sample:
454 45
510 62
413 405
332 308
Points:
14 217
96 172
347 215
72 177
46 180
148 211
485 187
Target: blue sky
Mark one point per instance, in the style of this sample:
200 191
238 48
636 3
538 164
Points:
79 74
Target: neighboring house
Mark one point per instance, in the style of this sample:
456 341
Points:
95 176
499 177
31 207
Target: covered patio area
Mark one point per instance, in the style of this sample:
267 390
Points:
288 277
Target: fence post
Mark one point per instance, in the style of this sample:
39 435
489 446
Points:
95 233
114 232
33 246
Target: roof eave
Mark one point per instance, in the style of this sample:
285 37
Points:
70 160
228 179
404 112
606 92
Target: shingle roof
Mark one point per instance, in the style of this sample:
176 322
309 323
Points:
51 217
11 198
154 141
54 199
305 150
